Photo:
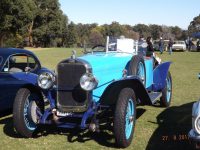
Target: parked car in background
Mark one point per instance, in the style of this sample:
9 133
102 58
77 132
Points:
179 45
198 45
98 88
166 42
18 68
156 45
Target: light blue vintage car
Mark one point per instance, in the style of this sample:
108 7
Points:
97 88
194 133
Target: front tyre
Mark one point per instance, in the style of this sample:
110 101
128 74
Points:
124 117
27 106
165 100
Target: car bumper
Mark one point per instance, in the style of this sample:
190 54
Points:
194 139
194 136
178 48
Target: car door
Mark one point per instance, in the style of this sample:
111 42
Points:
9 84
8 88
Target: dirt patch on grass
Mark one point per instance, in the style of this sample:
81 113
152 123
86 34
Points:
36 49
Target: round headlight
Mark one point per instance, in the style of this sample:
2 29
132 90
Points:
88 82
197 124
46 80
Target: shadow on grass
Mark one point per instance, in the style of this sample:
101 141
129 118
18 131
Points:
178 51
5 113
174 124
105 137
195 51
6 119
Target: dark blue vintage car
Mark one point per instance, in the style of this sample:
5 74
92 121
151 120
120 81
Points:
16 65
92 90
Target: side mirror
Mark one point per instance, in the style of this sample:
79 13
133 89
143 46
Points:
199 76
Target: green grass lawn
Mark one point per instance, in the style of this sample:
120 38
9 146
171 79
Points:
156 128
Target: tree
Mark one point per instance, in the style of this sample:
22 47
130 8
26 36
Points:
15 15
71 38
194 25
177 32
115 29
156 31
166 33
184 34
41 20
49 23
142 29
83 33
128 32
96 38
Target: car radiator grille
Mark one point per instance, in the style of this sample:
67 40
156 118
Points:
70 96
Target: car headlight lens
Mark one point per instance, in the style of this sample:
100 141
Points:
88 82
197 124
46 80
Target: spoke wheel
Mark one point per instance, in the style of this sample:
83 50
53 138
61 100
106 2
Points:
141 71
124 117
137 68
129 118
26 108
165 100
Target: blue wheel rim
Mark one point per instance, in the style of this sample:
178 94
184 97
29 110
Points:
27 114
129 118
169 89
141 72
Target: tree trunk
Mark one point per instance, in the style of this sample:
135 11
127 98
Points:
2 36
30 31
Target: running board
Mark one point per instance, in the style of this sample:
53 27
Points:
154 96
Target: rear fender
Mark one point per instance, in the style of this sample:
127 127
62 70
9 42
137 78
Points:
111 93
160 75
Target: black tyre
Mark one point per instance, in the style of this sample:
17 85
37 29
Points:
25 109
124 117
137 67
165 100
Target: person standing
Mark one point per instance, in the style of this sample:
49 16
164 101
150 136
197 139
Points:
170 46
161 44
150 52
150 49
141 40
190 44
187 43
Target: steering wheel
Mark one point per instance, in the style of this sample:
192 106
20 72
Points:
98 48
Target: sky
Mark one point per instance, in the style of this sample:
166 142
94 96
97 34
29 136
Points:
162 12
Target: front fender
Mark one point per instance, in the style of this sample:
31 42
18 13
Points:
160 75
111 93
29 80
43 69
